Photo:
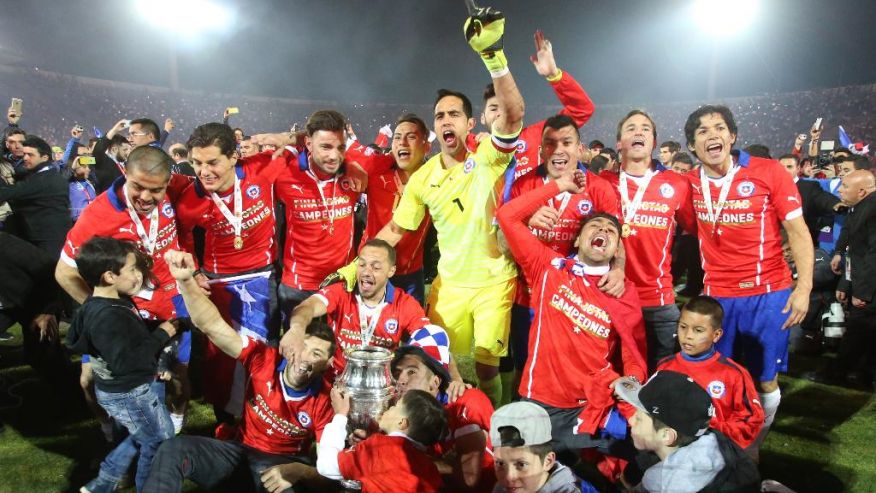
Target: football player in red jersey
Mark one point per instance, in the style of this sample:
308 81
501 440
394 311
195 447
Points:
319 197
650 197
287 403
233 202
739 207
389 175
577 105
135 208
556 223
582 340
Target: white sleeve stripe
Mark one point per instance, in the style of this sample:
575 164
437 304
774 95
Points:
244 340
67 260
466 430
794 214
504 145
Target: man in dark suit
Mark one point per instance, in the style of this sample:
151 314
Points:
818 205
858 287
40 200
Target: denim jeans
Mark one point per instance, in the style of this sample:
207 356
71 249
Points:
209 463
661 329
143 413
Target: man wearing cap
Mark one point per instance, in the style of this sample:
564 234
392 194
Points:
423 364
525 460
672 421
581 339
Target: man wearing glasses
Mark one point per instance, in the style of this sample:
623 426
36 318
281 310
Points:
141 132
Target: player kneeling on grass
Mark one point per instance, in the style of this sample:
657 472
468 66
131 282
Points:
525 459
680 453
738 413
125 354
286 405
394 460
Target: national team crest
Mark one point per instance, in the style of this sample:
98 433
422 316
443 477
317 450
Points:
391 326
667 191
304 419
521 145
716 389
253 191
469 165
746 188
584 207
167 210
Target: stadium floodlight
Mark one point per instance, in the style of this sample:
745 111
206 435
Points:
187 17
723 18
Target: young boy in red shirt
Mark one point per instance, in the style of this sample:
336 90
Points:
738 412
394 460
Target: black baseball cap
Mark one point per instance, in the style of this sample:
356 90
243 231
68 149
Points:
673 398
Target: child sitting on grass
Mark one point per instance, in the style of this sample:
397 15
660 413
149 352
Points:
124 354
394 460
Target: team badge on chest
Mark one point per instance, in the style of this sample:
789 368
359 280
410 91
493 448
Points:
391 326
167 210
304 419
584 207
253 191
745 189
716 389
469 165
666 191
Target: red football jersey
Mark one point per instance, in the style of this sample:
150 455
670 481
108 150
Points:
742 254
598 196
256 175
574 340
738 412
576 105
384 190
276 418
384 463
402 314
108 216
470 414
319 223
652 231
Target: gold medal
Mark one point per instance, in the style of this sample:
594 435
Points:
238 243
625 230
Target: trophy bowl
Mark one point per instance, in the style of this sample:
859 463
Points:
368 381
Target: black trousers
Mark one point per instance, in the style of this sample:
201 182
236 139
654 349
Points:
858 346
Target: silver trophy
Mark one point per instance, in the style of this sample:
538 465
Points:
368 381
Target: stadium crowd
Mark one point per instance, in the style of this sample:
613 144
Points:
560 261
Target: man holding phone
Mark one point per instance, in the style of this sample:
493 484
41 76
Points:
112 150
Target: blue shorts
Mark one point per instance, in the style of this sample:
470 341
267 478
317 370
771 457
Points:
753 333
184 354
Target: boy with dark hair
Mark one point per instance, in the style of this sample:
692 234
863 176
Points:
124 354
394 460
738 413
524 458
672 422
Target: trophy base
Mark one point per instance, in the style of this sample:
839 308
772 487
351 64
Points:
351 485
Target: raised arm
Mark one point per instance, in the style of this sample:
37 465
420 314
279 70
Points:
203 312
293 340
576 103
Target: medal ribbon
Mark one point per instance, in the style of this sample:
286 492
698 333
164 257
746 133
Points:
325 205
368 326
715 214
630 208
235 219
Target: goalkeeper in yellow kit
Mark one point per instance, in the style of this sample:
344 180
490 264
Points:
472 295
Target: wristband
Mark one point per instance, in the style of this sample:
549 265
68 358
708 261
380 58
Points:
495 62
557 76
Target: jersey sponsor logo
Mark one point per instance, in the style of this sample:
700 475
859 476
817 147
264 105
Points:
745 189
521 145
167 210
127 230
391 326
667 191
716 389
791 198
469 165
585 206
297 187
304 419
253 191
